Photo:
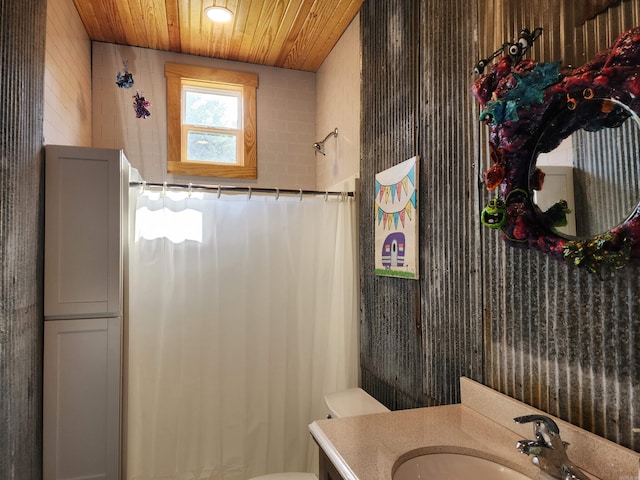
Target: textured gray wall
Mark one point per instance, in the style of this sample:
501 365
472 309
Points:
561 339
390 307
22 39
419 336
543 332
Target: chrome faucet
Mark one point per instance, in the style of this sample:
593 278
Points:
548 449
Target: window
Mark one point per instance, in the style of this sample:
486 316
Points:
211 122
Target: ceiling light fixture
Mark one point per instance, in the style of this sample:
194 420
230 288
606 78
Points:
219 14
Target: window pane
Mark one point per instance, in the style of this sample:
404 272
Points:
211 109
211 147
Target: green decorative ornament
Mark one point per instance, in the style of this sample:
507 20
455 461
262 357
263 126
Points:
494 215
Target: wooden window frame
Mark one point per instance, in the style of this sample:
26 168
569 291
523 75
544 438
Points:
247 166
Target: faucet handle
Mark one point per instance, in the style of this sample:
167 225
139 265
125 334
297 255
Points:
552 427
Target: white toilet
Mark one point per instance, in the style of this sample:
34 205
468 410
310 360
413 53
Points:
347 403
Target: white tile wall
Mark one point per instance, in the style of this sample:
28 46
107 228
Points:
286 111
67 77
338 94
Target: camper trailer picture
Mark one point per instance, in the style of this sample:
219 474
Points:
393 250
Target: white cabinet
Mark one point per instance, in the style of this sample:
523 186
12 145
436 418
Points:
81 430
83 231
86 193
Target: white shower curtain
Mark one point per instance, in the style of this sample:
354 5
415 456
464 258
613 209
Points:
242 315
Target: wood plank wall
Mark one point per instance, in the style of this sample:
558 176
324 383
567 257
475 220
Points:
543 332
22 41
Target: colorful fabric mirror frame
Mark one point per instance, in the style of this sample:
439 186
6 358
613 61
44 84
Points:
518 98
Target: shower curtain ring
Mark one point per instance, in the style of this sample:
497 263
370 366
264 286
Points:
249 194
144 186
164 188
190 189
326 195
300 194
277 193
219 189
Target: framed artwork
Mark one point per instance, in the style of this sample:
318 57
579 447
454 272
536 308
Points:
396 220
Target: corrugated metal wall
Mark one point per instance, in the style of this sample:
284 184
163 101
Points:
418 335
22 40
561 339
391 350
614 182
540 331
450 236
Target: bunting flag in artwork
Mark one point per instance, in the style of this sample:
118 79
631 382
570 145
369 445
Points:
396 201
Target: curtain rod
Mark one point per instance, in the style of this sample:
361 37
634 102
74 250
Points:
230 188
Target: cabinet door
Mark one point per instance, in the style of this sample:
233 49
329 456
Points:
326 470
83 232
81 427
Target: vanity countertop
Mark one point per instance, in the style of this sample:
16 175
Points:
368 447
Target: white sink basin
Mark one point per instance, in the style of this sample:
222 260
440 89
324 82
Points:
454 466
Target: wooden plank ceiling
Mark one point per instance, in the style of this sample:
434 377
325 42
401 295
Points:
294 34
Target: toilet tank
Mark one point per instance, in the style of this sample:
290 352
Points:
352 402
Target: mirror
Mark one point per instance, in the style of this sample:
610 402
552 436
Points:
577 131
595 170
